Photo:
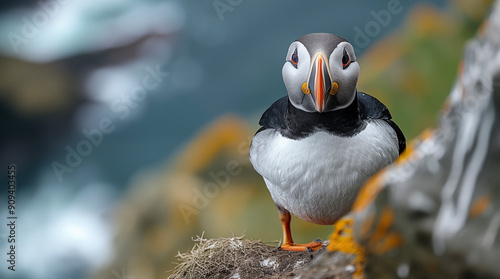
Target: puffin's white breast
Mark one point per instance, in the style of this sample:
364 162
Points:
317 178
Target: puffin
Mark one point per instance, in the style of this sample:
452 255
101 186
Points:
319 144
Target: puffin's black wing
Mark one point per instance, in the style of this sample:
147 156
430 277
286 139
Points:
401 137
274 116
371 108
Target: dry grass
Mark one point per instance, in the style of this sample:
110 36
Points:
237 257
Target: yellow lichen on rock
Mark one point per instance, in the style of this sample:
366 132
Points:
383 239
342 240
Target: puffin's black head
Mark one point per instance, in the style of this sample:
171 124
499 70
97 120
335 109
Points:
321 72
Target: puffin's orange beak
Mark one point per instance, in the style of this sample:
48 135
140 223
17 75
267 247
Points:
320 82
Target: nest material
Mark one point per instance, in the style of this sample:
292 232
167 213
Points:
236 257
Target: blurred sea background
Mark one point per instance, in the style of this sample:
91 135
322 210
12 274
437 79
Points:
129 122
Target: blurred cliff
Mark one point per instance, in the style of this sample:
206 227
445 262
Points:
435 214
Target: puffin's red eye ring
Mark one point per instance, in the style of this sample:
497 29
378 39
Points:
346 60
295 59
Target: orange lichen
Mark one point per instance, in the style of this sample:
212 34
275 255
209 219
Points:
426 134
479 206
382 239
411 80
391 241
369 191
378 59
342 240
365 225
427 20
409 152
384 223
228 133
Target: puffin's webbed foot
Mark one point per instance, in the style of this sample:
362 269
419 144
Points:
311 246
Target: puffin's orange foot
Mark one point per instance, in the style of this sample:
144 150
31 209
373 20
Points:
311 246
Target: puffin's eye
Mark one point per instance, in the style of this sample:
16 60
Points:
346 60
295 59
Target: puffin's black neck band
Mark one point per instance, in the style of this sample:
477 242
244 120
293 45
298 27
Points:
345 122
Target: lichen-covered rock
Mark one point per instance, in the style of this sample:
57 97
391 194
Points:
345 257
436 213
